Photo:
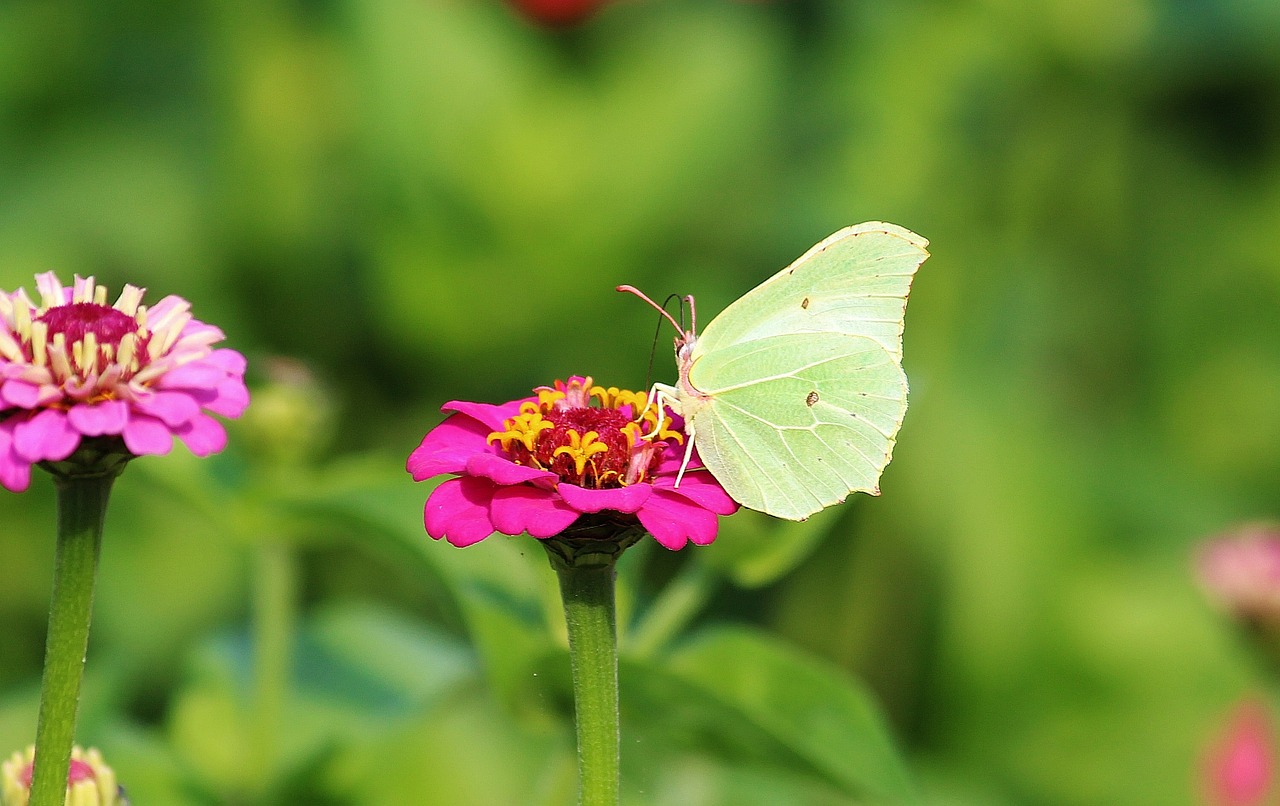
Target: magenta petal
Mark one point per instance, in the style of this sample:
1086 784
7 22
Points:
522 508
673 456
15 472
203 435
108 417
701 488
458 511
504 471
446 448
621 499
171 408
20 393
145 436
47 435
493 416
672 520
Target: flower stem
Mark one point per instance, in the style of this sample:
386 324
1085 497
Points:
275 593
82 507
587 571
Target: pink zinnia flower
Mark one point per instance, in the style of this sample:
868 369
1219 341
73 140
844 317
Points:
538 464
1240 570
1240 765
73 368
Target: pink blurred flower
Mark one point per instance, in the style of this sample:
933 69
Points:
73 368
538 464
1239 768
1240 570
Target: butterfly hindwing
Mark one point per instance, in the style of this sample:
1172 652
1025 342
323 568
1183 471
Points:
792 423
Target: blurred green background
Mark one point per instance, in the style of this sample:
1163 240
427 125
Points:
425 200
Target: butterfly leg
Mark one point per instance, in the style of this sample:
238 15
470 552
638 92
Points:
663 396
688 454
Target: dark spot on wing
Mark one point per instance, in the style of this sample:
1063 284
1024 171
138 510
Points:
811 398
804 303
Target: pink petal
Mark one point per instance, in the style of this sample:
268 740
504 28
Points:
1240 768
446 448
701 488
145 436
493 416
621 499
673 456
501 470
15 473
228 360
108 417
523 508
458 511
203 435
673 519
47 435
20 393
232 398
171 408
196 375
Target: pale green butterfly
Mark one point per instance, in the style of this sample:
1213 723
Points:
795 393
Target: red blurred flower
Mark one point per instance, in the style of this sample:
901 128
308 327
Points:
557 13
538 464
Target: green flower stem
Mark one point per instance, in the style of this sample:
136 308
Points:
274 613
82 507
586 567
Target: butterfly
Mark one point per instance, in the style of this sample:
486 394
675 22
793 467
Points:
794 394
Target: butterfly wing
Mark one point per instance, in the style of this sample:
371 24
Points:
854 282
794 422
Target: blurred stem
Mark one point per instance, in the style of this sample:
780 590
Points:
679 602
587 571
82 508
274 595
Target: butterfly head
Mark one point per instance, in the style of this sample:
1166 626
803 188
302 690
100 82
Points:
686 338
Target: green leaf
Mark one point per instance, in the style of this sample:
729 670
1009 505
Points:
755 550
818 712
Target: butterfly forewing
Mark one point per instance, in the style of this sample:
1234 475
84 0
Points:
793 423
854 282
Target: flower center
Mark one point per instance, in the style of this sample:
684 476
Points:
595 446
78 319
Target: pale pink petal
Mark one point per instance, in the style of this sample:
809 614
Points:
673 519
621 499
171 408
458 511
203 435
107 417
493 416
701 488
504 471
47 435
195 375
446 448
522 508
15 472
147 436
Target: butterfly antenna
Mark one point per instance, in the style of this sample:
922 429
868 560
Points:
630 289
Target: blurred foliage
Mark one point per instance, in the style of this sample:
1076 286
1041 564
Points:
432 199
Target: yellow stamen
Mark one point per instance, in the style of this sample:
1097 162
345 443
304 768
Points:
89 358
581 447
523 428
